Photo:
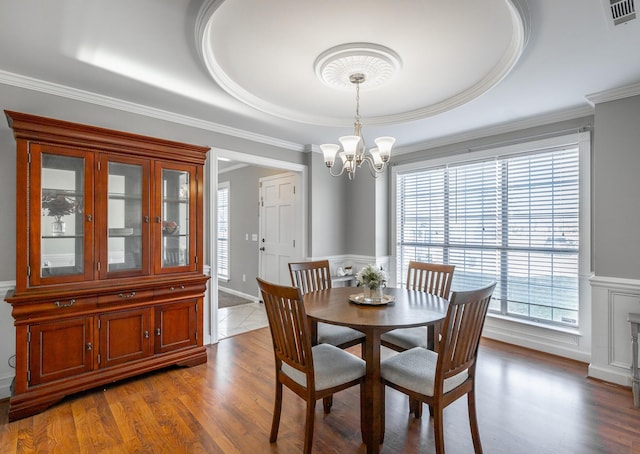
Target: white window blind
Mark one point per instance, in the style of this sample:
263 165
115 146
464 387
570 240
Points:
223 231
513 219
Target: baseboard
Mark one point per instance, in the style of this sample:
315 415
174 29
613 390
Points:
606 374
5 386
239 294
7 341
559 343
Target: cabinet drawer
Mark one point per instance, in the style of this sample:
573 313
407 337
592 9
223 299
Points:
125 296
179 290
63 306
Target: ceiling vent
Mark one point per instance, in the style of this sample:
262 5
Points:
619 11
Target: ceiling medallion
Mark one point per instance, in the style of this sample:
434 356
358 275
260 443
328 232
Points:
377 63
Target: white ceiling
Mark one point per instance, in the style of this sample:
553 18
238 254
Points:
468 67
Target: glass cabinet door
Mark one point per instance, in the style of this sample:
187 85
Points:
125 250
177 217
62 193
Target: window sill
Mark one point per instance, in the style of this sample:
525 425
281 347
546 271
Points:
552 328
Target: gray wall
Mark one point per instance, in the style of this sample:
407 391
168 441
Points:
616 189
327 214
243 217
8 204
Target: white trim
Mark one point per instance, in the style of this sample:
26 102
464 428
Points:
20 81
7 341
64 91
246 296
612 300
503 128
520 23
613 94
225 185
536 337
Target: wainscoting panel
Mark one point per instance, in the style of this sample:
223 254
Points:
613 299
7 342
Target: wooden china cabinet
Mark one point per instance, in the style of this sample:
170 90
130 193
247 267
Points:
109 244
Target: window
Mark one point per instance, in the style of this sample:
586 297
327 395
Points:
509 217
223 231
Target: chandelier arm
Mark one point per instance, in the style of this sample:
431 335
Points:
336 174
372 166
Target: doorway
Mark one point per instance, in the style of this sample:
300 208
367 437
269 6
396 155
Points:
241 280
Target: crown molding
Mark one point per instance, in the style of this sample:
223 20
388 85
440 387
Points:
613 94
29 83
504 128
42 86
204 29
481 133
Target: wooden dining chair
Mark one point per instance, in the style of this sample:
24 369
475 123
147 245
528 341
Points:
438 379
312 372
313 276
425 277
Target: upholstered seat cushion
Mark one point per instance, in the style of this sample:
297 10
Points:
336 334
415 370
407 338
332 367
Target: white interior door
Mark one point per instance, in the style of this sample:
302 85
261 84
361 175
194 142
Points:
279 230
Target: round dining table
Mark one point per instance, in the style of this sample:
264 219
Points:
402 308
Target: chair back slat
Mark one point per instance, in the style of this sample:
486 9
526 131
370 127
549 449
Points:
288 325
310 276
462 329
432 278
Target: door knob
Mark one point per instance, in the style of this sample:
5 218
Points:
262 248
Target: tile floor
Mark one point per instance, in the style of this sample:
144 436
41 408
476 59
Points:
240 319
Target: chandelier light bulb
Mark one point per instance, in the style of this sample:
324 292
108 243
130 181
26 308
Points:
329 151
349 145
384 147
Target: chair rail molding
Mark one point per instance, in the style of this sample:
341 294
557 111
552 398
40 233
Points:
7 341
356 262
612 301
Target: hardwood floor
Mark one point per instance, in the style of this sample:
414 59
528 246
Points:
527 403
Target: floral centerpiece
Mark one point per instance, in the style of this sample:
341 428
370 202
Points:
373 280
57 206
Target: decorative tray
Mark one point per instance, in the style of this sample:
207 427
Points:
359 298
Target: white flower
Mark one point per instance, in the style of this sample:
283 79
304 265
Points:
371 277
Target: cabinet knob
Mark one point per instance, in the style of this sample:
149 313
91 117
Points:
157 331
89 346
146 334
89 218
146 219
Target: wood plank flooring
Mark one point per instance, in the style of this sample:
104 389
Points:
527 403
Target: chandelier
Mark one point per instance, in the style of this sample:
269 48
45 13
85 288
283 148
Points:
354 150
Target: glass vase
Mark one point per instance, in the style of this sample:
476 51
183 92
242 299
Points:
58 228
373 295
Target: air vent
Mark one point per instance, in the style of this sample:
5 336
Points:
620 11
